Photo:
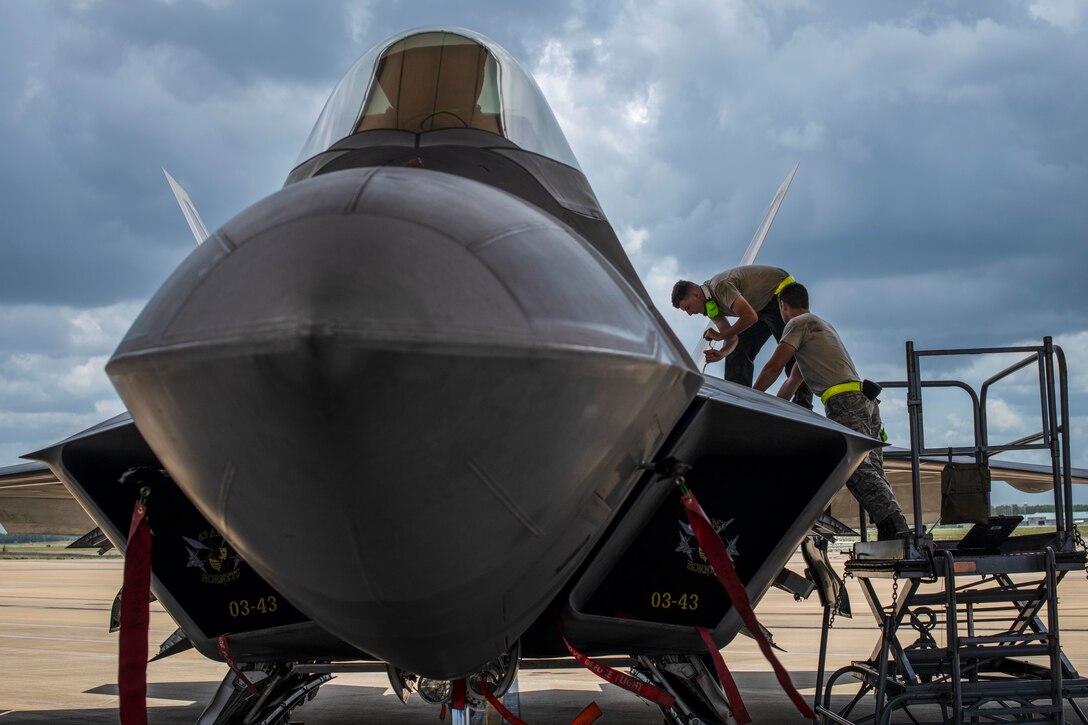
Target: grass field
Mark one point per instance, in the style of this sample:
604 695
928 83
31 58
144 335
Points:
954 533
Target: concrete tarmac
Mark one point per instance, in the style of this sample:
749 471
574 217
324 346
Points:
59 663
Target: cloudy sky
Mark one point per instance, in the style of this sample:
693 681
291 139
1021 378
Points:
940 195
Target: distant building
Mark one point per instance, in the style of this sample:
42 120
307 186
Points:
1046 518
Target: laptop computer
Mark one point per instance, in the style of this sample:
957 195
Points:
987 538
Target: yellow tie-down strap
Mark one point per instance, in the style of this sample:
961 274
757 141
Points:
782 285
840 388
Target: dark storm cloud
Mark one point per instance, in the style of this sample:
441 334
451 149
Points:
228 43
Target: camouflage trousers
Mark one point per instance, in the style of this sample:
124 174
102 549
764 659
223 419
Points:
869 484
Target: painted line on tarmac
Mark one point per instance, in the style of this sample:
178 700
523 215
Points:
95 627
53 639
21 625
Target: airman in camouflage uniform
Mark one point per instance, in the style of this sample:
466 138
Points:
869 484
823 363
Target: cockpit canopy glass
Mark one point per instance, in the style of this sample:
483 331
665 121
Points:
433 78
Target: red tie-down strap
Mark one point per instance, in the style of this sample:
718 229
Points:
135 618
457 698
223 646
722 564
496 703
632 684
732 693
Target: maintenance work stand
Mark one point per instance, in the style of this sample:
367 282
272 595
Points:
993 597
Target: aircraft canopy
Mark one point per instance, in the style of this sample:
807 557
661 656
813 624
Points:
434 78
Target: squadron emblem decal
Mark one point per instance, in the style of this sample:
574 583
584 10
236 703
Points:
212 555
689 547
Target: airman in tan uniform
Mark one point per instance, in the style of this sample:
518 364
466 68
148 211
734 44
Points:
749 293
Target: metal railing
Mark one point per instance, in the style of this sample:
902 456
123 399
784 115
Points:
1053 411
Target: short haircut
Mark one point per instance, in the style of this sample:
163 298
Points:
680 290
795 295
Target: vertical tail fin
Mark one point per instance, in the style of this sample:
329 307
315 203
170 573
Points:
749 256
192 216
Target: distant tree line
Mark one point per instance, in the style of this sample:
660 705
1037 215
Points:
33 538
1007 509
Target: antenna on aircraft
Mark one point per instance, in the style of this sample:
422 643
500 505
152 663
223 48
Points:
192 216
749 257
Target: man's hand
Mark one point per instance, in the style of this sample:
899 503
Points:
712 335
713 356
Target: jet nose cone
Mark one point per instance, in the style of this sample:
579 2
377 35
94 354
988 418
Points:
410 400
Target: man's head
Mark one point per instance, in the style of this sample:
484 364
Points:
689 297
792 301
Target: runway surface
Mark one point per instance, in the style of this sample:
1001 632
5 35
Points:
59 663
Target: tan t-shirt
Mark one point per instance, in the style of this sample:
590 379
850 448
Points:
755 282
820 353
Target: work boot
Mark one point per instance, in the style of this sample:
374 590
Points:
894 527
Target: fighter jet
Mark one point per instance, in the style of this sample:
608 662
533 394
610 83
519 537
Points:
418 407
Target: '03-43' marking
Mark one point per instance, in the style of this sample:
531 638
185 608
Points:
244 607
668 600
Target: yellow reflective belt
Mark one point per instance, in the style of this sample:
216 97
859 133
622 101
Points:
782 285
840 388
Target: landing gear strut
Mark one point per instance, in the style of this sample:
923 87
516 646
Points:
281 687
699 697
